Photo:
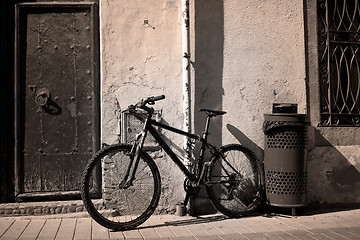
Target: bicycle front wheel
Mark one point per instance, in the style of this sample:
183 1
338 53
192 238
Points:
235 181
110 203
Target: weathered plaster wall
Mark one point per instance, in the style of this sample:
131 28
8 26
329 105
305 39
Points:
334 175
141 60
245 57
264 63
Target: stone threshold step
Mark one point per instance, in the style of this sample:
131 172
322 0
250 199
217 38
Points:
41 208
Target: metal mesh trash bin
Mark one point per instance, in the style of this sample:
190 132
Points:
284 159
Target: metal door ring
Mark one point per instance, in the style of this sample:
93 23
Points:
42 97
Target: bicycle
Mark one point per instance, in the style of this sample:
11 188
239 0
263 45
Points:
130 185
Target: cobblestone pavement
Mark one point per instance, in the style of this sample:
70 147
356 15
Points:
342 224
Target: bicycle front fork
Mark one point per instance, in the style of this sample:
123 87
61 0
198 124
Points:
129 177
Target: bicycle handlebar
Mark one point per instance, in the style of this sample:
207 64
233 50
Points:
143 102
152 100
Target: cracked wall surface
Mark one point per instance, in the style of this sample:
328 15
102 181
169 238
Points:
141 57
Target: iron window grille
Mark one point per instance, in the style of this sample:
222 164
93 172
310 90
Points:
339 62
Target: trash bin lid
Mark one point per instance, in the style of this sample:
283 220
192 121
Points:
285 108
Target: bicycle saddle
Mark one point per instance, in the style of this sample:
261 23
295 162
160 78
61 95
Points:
212 113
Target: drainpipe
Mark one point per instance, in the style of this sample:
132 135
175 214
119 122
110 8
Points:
186 77
186 84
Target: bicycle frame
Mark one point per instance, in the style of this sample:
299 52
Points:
149 127
150 123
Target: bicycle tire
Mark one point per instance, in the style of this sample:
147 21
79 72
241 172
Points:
242 188
112 206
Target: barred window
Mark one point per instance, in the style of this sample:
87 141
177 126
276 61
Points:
339 62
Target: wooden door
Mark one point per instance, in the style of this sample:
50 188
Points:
57 96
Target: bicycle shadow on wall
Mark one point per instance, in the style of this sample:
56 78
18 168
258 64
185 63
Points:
245 141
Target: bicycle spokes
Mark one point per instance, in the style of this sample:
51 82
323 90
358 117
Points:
121 202
234 181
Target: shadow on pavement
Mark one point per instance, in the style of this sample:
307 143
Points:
312 209
195 220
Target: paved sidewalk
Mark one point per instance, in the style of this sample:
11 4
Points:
330 225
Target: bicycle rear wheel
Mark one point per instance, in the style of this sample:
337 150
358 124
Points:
108 203
235 181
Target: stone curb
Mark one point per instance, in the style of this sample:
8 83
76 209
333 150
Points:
40 208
